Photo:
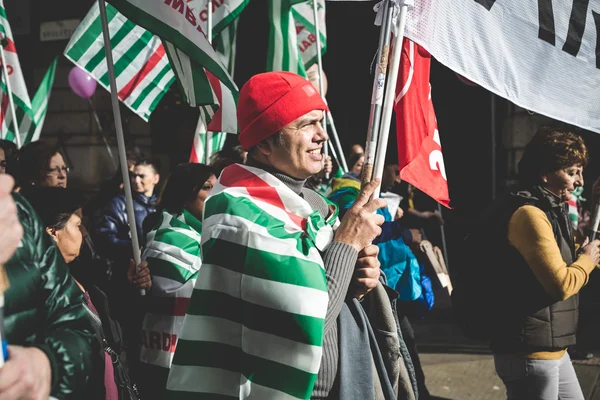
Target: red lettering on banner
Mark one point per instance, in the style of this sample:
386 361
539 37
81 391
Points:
177 5
173 343
306 43
204 15
189 15
164 341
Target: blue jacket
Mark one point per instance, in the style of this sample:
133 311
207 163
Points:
111 231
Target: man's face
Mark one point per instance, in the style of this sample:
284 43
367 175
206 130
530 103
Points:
299 152
143 179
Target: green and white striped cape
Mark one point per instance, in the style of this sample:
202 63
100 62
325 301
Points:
254 326
174 258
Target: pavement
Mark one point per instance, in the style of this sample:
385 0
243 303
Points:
457 368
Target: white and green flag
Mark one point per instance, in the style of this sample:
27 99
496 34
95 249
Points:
305 30
292 40
18 87
254 324
142 68
178 23
39 105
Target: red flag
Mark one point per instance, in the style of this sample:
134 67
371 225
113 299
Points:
419 148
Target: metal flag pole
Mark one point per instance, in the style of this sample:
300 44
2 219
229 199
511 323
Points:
493 149
320 68
378 88
97 119
120 139
390 95
443 232
338 144
209 29
10 96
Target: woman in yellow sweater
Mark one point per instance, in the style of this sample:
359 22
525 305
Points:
542 273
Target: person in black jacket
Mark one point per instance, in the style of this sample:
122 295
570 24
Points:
60 211
45 324
113 241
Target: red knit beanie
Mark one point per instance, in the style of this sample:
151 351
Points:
270 101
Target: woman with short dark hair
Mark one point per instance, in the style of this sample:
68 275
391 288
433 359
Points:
174 257
41 164
536 273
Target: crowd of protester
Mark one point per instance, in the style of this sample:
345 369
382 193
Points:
269 274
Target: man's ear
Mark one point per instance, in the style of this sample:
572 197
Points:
156 178
265 147
52 233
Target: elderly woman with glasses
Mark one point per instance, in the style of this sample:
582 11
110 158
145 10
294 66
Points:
41 164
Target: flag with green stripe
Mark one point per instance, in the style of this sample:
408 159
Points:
254 325
39 105
142 69
292 40
20 95
174 258
179 23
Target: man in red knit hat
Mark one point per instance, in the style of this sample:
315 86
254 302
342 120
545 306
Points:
264 319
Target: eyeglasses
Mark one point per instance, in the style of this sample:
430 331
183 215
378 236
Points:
57 170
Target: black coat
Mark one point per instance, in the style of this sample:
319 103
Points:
111 229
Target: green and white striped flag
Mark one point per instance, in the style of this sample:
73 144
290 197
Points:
254 325
292 41
142 68
20 95
39 105
226 46
180 26
174 257
305 30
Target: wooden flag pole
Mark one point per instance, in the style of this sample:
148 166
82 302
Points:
390 97
10 98
378 88
120 138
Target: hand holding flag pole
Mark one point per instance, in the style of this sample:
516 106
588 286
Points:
120 139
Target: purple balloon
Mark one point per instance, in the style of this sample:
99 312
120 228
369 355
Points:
81 83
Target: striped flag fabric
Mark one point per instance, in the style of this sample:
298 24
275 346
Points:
261 263
20 95
283 54
292 40
142 69
174 258
226 47
177 23
224 14
215 121
305 30
39 105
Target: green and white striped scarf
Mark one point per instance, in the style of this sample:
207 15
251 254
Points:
254 326
174 258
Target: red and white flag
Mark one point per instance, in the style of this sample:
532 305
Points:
419 148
